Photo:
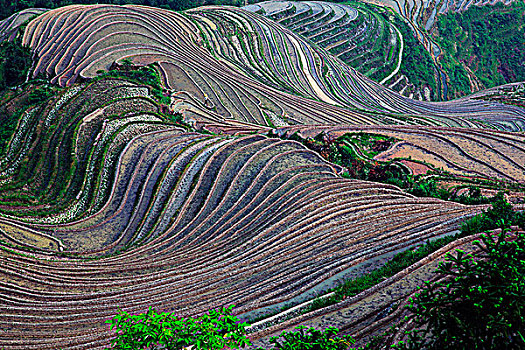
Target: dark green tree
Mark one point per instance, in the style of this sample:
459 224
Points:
500 215
15 62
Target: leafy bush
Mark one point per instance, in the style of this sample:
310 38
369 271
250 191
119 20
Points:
8 122
481 305
147 75
309 338
424 188
39 95
499 215
151 330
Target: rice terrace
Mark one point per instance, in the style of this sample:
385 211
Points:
220 174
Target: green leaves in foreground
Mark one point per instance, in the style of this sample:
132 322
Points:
481 303
216 329
304 338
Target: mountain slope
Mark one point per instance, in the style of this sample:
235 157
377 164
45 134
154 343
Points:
241 85
148 175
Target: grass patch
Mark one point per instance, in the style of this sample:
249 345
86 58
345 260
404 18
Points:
397 264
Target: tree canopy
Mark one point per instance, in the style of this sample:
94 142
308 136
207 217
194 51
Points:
14 6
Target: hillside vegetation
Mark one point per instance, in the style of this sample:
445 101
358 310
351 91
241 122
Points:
482 47
175 5
374 40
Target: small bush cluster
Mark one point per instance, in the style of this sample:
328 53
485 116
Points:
500 215
216 329
309 338
146 75
481 303
39 95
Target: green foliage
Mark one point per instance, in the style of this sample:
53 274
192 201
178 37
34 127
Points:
309 338
15 62
146 75
354 151
458 81
417 64
499 215
425 188
428 187
370 144
176 5
488 40
474 196
40 94
481 305
216 329
8 122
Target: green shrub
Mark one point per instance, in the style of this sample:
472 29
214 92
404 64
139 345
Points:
309 338
147 75
39 95
8 123
499 215
216 329
481 305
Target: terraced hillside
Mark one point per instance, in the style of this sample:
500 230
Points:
315 74
242 85
147 175
463 152
9 26
181 220
423 17
423 14
363 36
374 311
377 39
491 51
